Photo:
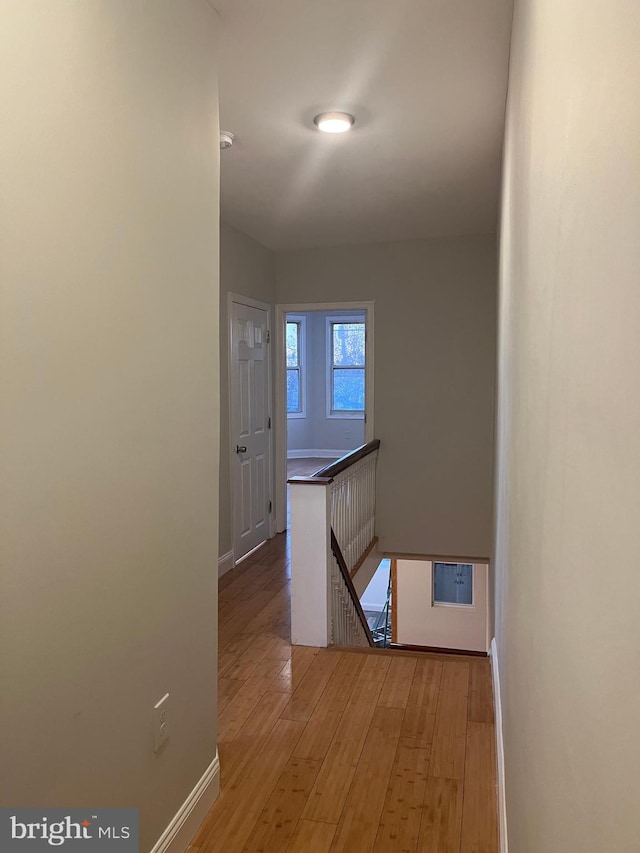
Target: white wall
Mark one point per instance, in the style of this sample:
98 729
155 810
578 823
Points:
568 536
316 430
434 379
109 406
422 623
246 268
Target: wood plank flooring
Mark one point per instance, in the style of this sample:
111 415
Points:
331 750
306 466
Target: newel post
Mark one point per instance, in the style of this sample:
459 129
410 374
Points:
310 504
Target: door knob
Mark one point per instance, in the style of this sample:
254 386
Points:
240 448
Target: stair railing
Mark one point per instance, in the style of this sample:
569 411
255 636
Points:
349 626
353 500
332 528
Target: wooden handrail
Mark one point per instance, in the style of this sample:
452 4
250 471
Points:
337 553
348 459
325 475
310 481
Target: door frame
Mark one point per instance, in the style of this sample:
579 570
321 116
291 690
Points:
239 299
280 421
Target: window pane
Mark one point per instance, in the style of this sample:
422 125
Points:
348 390
348 344
293 390
292 344
453 583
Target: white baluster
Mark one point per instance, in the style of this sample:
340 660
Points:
352 502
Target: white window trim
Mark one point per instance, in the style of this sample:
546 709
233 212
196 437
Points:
342 318
302 350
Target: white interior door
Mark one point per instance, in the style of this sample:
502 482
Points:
442 604
249 427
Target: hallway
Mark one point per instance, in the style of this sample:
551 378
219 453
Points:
334 750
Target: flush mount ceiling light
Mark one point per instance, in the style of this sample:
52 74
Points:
334 122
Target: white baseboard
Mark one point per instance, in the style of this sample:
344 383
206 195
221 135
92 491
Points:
177 836
497 699
315 454
225 563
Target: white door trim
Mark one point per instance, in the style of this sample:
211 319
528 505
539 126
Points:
280 418
239 299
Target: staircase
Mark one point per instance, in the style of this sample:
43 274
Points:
332 531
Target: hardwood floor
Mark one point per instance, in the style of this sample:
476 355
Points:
337 750
307 466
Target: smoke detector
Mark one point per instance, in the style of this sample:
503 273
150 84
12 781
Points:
226 139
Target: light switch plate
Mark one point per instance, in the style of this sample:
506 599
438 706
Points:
161 723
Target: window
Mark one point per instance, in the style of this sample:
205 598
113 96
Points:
346 379
294 340
453 583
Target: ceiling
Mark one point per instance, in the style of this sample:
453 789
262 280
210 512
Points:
426 81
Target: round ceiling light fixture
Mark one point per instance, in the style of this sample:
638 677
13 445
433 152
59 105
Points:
334 122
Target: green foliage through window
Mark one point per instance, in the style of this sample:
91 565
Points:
292 341
347 367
